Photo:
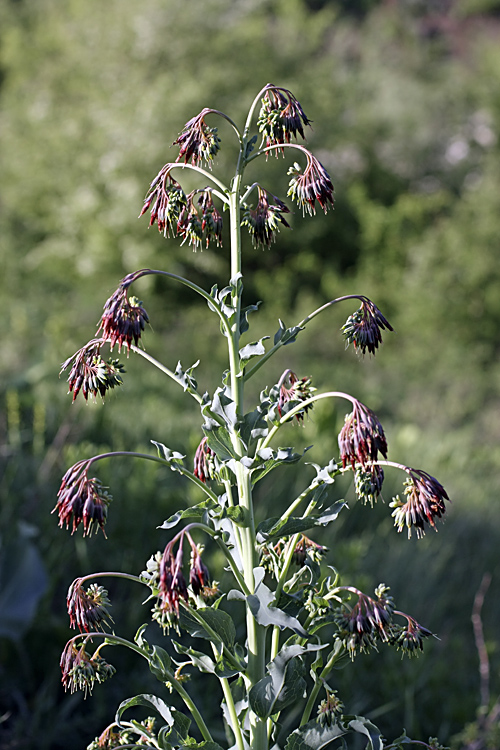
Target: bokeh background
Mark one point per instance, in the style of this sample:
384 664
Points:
405 102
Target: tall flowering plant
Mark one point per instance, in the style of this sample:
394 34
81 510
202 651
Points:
276 683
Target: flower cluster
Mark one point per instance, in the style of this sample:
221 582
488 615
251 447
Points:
424 502
314 184
90 374
166 199
409 639
204 462
363 328
367 622
329 709
264 221
132 736
281 117
368 483
197 141
200 229
362 437
293 391
80 670
82 499
88 610
124 318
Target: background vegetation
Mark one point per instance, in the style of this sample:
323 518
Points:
405 98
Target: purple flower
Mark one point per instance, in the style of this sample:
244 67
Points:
264 221
82 500
166 199
173 585
424 502
204 462
293 390
90 374
211 220
281 117
199 576
363 328
314 184
362 437
409 639
124 318
197 141
367 621
88 610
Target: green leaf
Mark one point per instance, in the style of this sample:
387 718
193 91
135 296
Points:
364 726
178 733
200 660
160 663
146 700
174 458
185 377
244 325
283 684
195 511
268 459
255 349
286 335
312 736
259 604
221 623
276 528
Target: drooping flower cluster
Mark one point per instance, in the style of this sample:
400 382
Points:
204 462
264 221
362 437
292 391
368 483
314 184
410 638
82 499
329 709
80 670
166 199
424 502
281 117
197 141
363 328
124 318
90 374
368 621
200 226
88 610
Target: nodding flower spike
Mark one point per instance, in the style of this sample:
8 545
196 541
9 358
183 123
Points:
90 374
197 141
362 437
363 328
281 117
424 503
314 184
82 500
123 319
264 221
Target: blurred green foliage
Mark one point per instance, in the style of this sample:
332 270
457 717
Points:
405 99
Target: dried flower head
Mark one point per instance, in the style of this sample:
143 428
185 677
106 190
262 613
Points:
264 221
314 184
292 391
88 610
80 670
90 374
166 199
124 318
204 462
82 500
281 117
363 328
424 502
197 141
362 437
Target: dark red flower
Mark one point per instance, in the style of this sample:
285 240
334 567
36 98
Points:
363 328
166 199
80 670
264 221
314 184
204 462
281 117
362 437
90 374
409 639
82 500
124 318
88 610
424 502
173 585
197 141
293 390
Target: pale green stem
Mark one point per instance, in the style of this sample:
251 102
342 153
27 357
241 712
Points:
235 724
165 370
300 407
313 696
222 195
302 324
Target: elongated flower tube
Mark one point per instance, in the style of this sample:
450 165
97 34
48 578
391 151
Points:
362 437
165 200
82 499
88 610
424 503
90 374
264 221
80 670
